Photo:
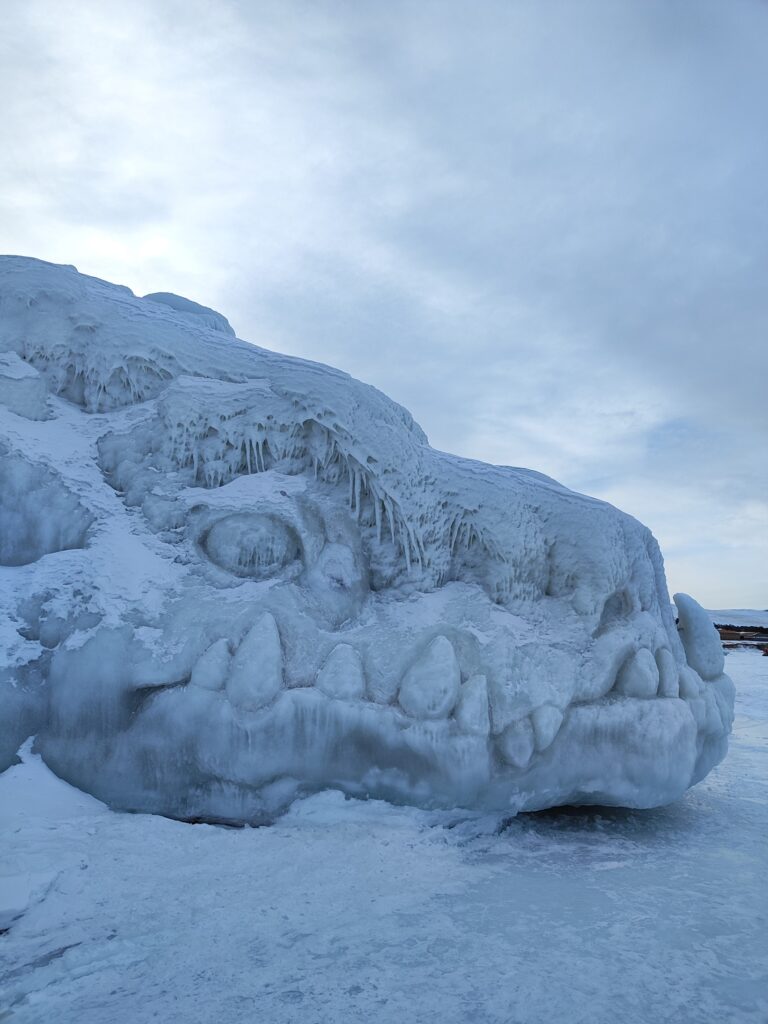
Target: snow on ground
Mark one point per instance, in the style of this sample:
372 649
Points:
348 911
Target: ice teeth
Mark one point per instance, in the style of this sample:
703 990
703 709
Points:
471 712
211 669
668 674
516 743
430 687
342 674
546 724
257 667
690 683
638 676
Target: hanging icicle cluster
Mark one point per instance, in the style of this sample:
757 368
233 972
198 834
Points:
218 432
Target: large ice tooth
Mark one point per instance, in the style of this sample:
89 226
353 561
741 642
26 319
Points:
668 673
516 743
703 647
342 674
546 723
609 652
430 687
256 676
210 671
638 676
471 712
690 683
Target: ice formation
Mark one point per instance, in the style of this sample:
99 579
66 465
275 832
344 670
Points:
229 576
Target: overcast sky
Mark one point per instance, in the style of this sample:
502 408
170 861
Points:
541 225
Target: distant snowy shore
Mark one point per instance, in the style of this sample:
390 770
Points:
739 617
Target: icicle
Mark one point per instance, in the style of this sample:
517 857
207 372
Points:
418 545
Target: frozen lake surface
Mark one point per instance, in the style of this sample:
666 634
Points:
350 911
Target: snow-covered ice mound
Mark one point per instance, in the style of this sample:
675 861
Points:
229 576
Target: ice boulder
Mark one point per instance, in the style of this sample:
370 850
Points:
230 576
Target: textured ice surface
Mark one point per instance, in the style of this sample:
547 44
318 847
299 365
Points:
230 576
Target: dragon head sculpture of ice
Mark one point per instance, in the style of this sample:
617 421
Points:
229 576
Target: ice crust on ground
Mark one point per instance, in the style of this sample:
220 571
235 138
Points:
230 577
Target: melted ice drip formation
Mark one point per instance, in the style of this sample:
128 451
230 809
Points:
229 576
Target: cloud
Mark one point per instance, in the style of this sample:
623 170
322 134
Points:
542 227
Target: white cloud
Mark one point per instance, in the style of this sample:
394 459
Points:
544 228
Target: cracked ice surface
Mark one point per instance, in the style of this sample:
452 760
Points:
230 577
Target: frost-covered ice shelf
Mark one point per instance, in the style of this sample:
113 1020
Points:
229 578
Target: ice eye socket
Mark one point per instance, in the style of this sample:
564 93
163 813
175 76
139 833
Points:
252 545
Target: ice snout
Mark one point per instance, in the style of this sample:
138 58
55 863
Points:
646 676
643 677
639 675
434 691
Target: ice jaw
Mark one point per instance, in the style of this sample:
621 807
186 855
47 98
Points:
278 585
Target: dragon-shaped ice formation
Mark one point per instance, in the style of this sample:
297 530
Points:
228 577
